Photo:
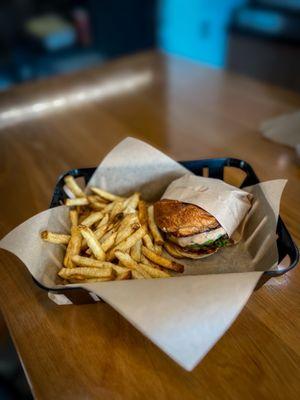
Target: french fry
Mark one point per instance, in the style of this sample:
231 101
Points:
79 201
99 233
128 262
117 209
122 272
127 243
92 218
127 220
148 242
142 214
73 214
73 186
92 242
117 221
103 221
58 238
93 198
96 203
158 239
137 275
154 272
83 213
124 233
145 261
109 241
157 249
82 279
86 272
131 203
172 250
93 280
97 206
136 251
108 207
162 261
91 262
104 235
73 248
124 275
106 195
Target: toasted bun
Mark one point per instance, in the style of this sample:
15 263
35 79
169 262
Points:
182 219
179 252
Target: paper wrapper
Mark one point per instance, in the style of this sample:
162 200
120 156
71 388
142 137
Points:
226 203
185 315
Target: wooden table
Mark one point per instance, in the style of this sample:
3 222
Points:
90 351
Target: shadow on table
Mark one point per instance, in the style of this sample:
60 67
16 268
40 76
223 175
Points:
13 384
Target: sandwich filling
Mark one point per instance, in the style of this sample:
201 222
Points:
202 240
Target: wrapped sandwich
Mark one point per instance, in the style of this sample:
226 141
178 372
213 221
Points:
199 216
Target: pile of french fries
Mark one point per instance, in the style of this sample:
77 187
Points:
111 237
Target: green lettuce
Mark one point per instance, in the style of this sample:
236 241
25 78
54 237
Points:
220 242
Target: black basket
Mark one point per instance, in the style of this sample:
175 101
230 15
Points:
214 168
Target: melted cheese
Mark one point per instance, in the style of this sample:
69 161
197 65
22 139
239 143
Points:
199 238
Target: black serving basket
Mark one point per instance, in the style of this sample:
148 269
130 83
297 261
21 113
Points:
213 168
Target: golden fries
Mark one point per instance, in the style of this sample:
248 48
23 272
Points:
124 233
145 260
108 208
128 262
126 244
142 213
154 272
92 219
92 242
86 272
106 195
103 221
158 249
122 272
109 241
73 186
91 262
111 238
117 208
79 201
164 262
73 214
132 202
172 250
73 248
153 227
52 237
148 242
137 275
136 251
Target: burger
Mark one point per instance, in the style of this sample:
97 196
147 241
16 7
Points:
190 231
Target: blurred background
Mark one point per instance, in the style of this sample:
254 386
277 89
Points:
41 38
259 38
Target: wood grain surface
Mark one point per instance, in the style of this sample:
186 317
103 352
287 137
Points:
190 112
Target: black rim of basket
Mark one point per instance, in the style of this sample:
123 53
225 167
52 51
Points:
215 167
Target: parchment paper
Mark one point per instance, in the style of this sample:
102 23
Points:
183 315
225 202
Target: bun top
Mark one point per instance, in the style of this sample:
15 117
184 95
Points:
182 219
